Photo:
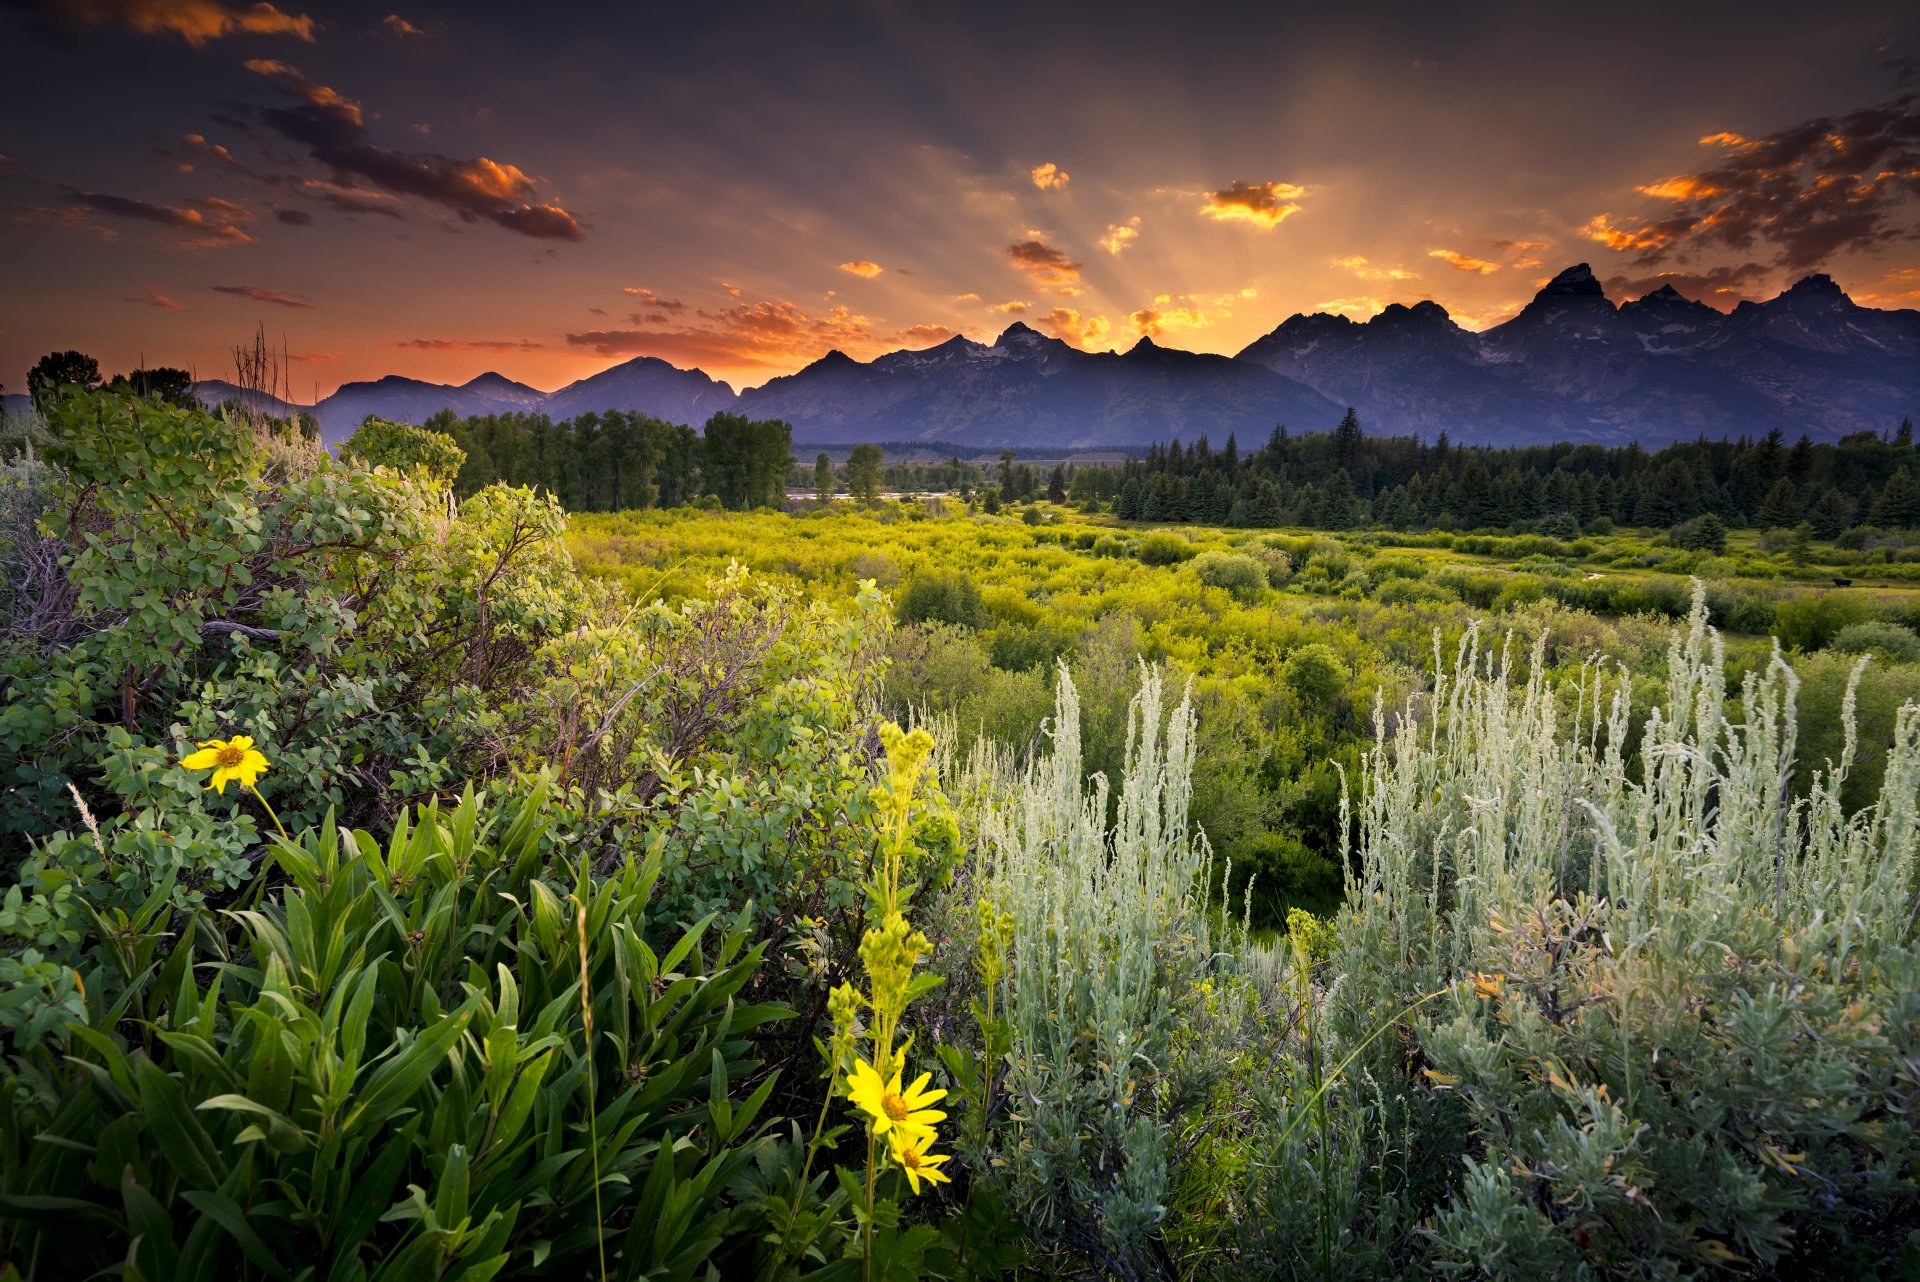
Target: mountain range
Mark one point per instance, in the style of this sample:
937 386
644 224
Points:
1572 365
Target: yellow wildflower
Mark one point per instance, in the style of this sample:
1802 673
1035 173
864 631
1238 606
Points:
231 760
1487 987
893 1110
919 1163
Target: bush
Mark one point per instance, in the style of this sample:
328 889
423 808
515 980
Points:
1810 622
1108 941
1562 907
1889 641
197 578
941 596
1239 574
1161 548
1315 674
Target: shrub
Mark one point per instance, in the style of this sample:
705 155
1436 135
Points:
1315 674
1162 548
1640 1014
1811 621
195 580
1889 641
1239 574
1107 941
941 596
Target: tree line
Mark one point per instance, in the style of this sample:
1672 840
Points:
1344 478
620 460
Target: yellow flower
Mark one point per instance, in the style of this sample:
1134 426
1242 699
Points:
1487 987
230 760
919 1163
894 1111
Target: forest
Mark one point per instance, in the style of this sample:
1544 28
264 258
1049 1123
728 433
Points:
501 848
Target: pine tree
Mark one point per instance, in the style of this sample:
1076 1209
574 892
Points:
1831 513
1898 504
1781 508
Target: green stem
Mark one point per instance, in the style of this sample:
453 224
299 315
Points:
270 814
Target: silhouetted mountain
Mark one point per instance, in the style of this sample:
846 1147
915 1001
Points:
1571 365
215 392
1028 389
499 387
646 385
406 400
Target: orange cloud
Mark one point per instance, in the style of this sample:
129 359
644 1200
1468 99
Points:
195 21
916 336
769 335
399 26
863 267
1810 191
1121 235
1363 305
1365 270
207 222
314 358
334 129
200 144
1013 307
1047 265
1048 176
472 344
654 300
1168 313
1073 328
318 95
1262 204
1682 188
1601 228
152 296
1465 262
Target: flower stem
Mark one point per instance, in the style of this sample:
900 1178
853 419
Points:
270 814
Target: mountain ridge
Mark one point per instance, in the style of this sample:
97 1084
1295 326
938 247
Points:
1570 365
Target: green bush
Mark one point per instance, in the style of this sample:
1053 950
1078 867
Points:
1811 621
1162 548
941 596
195 577
1237 573
1889 641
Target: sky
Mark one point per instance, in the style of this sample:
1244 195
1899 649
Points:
439 190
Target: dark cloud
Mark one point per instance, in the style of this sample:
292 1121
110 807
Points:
1262 204
152 297
333 128
1720 287
260 294
1047 265
209 221
294 217
1806 192
195 21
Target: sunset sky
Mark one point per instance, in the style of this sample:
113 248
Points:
437 191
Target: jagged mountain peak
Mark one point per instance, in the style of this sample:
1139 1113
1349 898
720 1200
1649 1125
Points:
1577 281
